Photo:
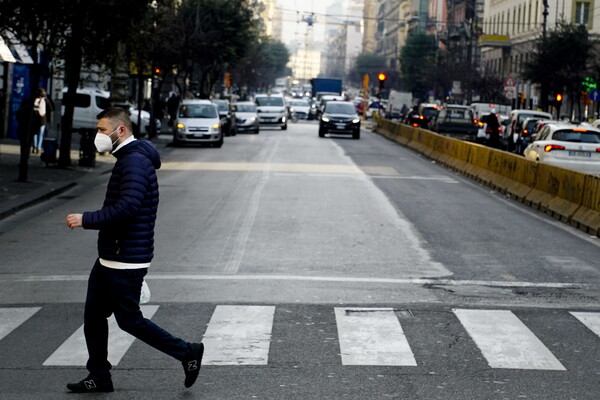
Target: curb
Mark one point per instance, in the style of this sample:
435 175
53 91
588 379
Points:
30 199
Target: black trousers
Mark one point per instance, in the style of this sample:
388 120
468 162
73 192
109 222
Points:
118 291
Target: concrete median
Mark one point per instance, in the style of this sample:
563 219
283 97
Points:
572 197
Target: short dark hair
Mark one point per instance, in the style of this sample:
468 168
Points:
118 115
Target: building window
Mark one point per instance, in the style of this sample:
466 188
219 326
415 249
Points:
582 13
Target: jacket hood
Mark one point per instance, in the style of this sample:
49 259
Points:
144 147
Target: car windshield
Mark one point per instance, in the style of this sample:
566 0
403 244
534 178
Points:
299 103
429 112
582 136
223 106
340 108
460 113
197 111
269 101
246 108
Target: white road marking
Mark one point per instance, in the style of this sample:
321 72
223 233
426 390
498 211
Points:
73 351
589 319
505 341
11 318
372 336
238 335
261 167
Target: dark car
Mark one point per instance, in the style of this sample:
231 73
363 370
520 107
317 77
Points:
455 120
339 117
228 121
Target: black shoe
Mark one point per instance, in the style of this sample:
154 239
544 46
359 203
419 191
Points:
191 365
91 384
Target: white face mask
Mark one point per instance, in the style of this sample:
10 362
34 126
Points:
104 143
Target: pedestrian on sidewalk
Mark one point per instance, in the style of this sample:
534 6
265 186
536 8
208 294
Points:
125 249
40 108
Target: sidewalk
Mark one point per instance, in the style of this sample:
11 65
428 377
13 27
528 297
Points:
44 181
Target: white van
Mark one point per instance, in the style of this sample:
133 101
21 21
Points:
271 110
515 125
89 102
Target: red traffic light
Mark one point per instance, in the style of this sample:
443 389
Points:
381 76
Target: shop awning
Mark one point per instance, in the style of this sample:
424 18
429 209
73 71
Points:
5 54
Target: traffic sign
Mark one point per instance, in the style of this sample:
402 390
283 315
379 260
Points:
595 95
509 82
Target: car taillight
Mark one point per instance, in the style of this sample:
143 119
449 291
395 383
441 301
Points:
550 147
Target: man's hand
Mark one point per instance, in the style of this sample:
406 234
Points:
74 220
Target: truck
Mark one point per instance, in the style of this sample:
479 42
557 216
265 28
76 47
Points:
332 86
398 101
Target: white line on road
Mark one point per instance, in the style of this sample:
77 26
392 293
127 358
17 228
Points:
73 351
340 279
238 335
371 336
505 341
589 319
12 318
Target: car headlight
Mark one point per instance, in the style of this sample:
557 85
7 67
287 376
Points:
216 126
325 119
252 119
356 120
180 127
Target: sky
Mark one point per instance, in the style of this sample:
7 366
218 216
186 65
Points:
294 11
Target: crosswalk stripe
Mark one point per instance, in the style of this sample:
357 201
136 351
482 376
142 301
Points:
238 335
73 351
372 336
505 341
11 318
589 319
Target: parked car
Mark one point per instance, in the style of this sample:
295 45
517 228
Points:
456 120
228 121
339 117
515 124
300 108
246 117
271 110
198 121
89 102
568 146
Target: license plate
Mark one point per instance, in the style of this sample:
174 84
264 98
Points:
199 135
585 154
340 126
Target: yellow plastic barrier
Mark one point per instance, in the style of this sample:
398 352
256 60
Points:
587 217
570 196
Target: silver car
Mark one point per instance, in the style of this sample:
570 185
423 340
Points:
198 121
246 117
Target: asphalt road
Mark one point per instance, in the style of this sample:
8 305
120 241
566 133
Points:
316 269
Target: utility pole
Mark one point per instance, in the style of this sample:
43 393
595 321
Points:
544 84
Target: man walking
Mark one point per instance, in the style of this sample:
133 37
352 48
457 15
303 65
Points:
125 249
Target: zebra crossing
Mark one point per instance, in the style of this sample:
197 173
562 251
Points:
241 335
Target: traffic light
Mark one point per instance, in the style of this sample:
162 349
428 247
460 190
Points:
557 103
227 79
381 78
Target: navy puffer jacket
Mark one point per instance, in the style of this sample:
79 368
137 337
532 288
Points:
126 220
